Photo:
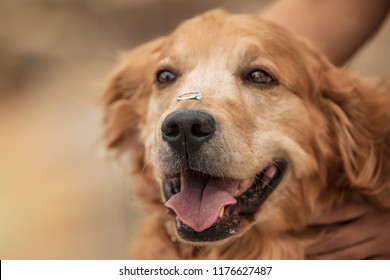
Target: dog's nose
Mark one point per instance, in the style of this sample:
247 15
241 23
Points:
186 130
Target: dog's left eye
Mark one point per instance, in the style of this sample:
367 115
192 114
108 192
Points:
165 77
260 77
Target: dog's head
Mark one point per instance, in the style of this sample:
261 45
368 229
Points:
239 123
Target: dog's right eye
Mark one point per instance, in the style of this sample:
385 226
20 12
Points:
165 77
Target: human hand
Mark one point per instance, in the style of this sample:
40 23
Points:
358 230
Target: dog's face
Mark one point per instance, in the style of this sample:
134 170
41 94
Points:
223 110
220 157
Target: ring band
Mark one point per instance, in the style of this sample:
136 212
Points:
190 95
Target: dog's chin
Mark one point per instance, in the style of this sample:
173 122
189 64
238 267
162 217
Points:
211 209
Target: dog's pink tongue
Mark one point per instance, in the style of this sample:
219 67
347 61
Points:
200 200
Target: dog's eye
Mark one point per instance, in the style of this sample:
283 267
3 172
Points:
165 77
260 77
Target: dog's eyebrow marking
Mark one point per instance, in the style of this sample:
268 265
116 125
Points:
190 95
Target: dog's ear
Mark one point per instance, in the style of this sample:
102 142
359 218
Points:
127 94
125 103
357 115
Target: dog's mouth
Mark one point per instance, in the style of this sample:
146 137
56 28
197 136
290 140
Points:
209 208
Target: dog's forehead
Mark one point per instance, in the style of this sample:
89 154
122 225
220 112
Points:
217 33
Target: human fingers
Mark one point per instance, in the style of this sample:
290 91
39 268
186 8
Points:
354 251
343 213
341 237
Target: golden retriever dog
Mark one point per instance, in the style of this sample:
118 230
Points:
241 134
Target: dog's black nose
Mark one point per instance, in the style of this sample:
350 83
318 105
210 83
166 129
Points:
186 130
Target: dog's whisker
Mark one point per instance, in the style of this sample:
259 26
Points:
263 182
146 165
278 167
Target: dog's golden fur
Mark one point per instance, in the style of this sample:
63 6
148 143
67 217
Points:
332 128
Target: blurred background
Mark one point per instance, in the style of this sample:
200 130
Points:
61 195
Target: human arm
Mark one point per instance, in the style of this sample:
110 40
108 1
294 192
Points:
336 27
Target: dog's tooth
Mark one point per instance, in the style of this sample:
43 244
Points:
270 173
244 186
221 213
246 183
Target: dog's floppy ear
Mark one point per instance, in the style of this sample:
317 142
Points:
125 103
127 94
358 127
